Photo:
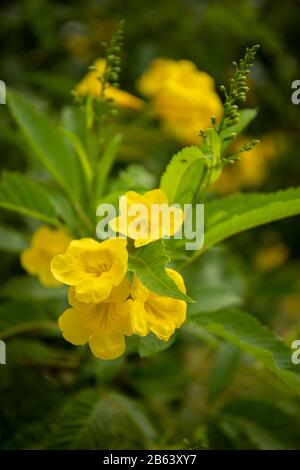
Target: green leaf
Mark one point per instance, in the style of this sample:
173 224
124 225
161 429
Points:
246 117
256 425
211 298
105 164
245 332
80 152
26 197
11 240
223 370
148 264
234 214
63 209
47 142
91 421
134 177
150 345
16 318
183 174
30 289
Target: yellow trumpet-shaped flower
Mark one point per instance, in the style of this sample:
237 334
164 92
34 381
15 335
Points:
91 84
183 97
102 325
152 312
92 267
45 244
147 217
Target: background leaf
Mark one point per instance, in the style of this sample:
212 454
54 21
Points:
91 421
234 214
105 164
253 424
223 370
26 197
20 317
150 345
47 142
245 332
211 298
11 240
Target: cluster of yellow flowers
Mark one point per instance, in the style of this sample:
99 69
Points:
106 304
181 96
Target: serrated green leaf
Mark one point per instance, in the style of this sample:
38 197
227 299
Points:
148 264
90 421
183 174
27 197
47 142
247 333
134 177
234 214
254 424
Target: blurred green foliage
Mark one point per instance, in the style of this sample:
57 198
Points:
202 392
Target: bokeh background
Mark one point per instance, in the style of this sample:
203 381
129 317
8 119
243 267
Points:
197 393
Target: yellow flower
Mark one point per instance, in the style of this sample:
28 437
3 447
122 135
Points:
152 312
90 84
94 268
147 217
45 244
183 97
102 325
251 171
271 257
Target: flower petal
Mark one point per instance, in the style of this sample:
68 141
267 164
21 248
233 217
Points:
73 327
139 318
107 345
93 289
119 293
156 196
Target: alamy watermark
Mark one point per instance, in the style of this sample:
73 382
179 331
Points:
296 354
2 352
296 93
2 92
138 221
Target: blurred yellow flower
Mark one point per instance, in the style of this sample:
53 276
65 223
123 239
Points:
147 217
183 97
272 256
45 244
251 171
91 84
152 312
102 325
94 268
